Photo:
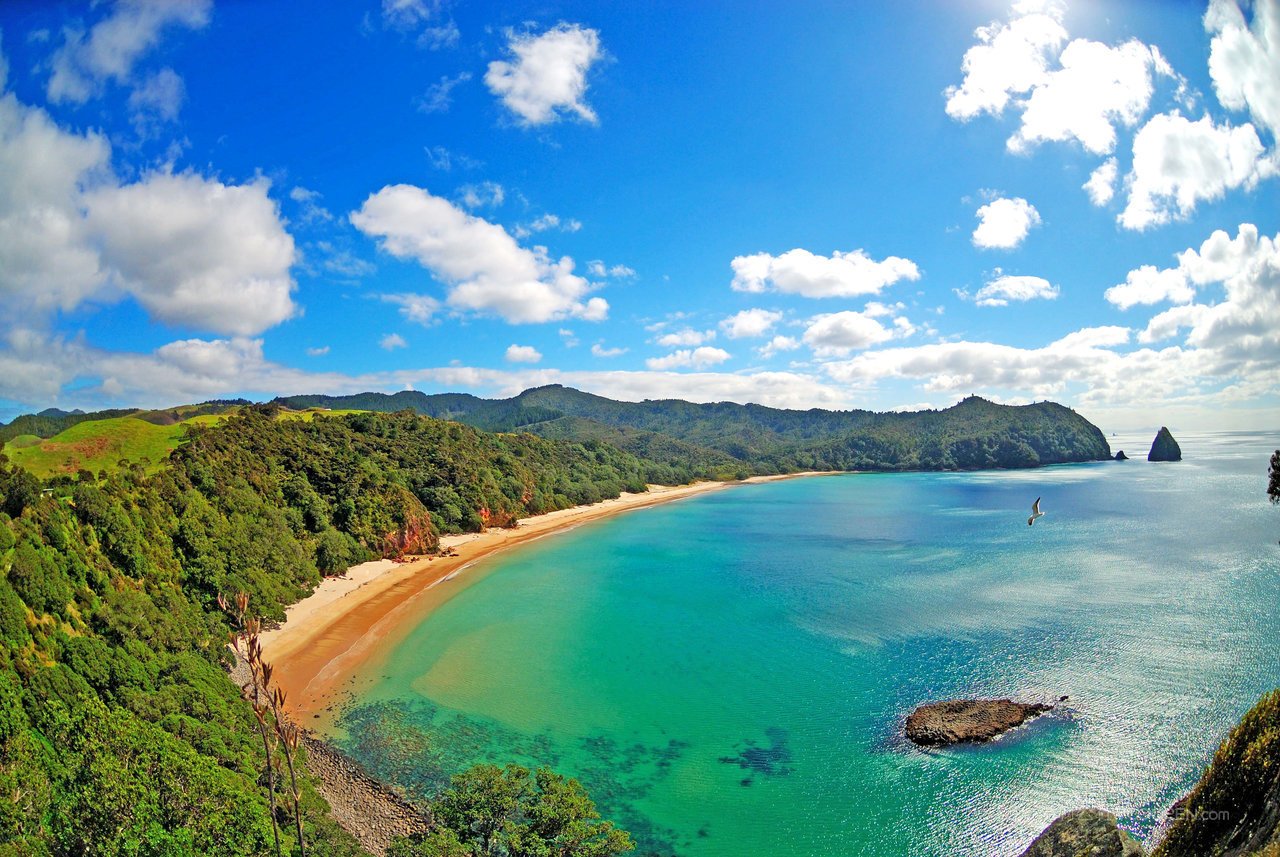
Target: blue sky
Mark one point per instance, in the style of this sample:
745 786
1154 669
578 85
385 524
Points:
834 204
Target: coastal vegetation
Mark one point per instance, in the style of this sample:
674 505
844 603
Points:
512 812
119 730
753 439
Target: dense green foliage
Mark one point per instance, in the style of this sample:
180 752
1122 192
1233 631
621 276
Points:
1235 808
490 811
120 732
726 439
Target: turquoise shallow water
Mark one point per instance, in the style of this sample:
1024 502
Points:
728 674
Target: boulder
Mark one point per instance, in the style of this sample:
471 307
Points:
1164 447
1120 456
956 721
1084 833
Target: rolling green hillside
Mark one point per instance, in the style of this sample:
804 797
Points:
94 442
747 439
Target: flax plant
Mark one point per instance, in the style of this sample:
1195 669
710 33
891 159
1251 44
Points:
267 703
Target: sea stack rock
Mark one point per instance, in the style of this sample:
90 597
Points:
1120 456
1164 447
956 721
1084 833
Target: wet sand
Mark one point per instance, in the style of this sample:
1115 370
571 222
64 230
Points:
328 636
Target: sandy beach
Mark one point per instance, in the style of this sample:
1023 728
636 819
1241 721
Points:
328 635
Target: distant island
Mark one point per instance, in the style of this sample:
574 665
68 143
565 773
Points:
1164 447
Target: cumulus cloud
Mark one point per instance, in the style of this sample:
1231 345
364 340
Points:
695 358
685 336
838 333
193 251
414 307
1008 61
750 323
485 269
804 273
1150 285
598 350
1178 163
196 252
318 351
1012 287
1101 185
546 76
111 48
1244 59
1096 88
47 257
778 344
522 354
1230 353
392 341
1003 223
1079 92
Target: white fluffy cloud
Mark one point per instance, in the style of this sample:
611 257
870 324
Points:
685 336
47 259
193 251
392 341
750 323
485 269
1244 60
1079 92
1012 287
547 75
695 358
1096 88
777 345
838 333
522 354
1009 60
1230 353
1178 163
109 51
197 253
804 273
1150 285
1003 223
598 350
1101 185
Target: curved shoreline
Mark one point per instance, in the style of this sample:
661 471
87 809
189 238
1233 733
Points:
349 619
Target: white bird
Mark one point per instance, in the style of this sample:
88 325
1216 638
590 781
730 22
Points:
1035 512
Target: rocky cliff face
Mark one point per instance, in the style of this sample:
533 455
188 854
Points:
1084 833
1164 447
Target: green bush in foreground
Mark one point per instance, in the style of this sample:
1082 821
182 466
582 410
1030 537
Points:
509 811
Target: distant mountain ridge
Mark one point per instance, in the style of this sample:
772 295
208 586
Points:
747 439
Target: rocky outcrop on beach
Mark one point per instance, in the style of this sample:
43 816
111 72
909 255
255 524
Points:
1084 833
957 721
367 809
1120 456
1164 447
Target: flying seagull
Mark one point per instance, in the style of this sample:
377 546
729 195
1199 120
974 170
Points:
1035 512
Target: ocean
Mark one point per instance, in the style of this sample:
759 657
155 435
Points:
728 674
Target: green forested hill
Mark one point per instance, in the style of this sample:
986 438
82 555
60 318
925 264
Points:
120 733
756 439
